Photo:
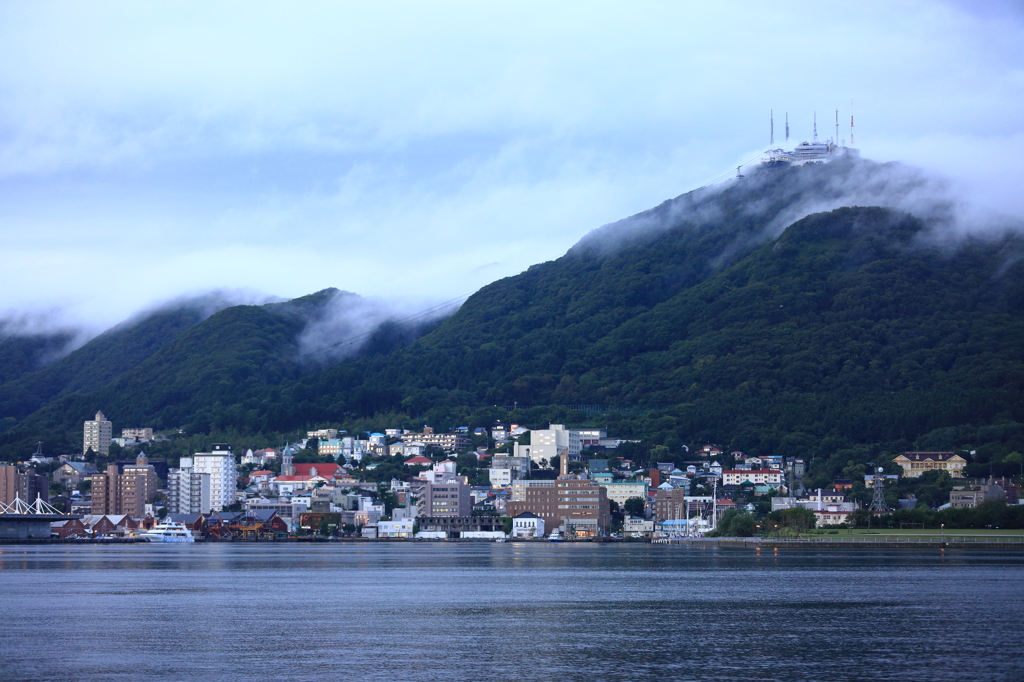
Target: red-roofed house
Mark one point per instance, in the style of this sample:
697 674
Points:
289 484
418 459
328 471
260 477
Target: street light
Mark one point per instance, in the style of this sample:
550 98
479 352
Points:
942 526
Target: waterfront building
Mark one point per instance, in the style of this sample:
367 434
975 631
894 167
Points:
189 491
400 528
125 488
527 525
220 464
578 506
445 499
23 483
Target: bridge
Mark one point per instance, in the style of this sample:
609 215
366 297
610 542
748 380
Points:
22 521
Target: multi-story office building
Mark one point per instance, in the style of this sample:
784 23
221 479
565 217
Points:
188 491
521 466
578 506
97 435
620 491
23 483
445 499
518 488
223 470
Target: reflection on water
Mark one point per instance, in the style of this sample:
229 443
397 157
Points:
539 611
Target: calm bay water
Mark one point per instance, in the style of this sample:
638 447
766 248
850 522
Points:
539 611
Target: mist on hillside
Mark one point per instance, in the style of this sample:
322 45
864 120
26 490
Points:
350 325
776 199
65 335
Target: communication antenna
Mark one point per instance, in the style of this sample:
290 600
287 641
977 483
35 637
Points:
787 127
815 127
878 501
837 127
771 124
851 121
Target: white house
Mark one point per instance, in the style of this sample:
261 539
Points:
395 529
637 526
526 525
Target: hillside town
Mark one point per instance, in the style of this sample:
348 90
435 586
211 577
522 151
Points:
502 482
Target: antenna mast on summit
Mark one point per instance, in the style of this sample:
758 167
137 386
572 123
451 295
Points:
837 127
815 127
851 121
771 127
787 127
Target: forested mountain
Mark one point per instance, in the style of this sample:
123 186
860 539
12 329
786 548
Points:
178 367
96 364
21 353
723 315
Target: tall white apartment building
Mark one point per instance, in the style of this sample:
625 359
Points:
97 435
220 464
550 444
188 491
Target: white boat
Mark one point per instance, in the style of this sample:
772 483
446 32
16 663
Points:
168 531
555 536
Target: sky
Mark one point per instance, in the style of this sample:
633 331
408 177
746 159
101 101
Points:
414 152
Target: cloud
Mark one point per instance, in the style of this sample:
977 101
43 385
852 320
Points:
148 151
350 324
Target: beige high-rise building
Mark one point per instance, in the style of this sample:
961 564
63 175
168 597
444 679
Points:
97 435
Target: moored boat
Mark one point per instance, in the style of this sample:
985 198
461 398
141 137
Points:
168 531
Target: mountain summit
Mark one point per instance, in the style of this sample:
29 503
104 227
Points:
815 307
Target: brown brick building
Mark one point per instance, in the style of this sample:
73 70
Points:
581 506
670 505
125 490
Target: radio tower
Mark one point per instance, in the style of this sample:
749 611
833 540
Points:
837 128
815 127
878 501
787 127
851 121
771 127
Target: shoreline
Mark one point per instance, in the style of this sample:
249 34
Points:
899 542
